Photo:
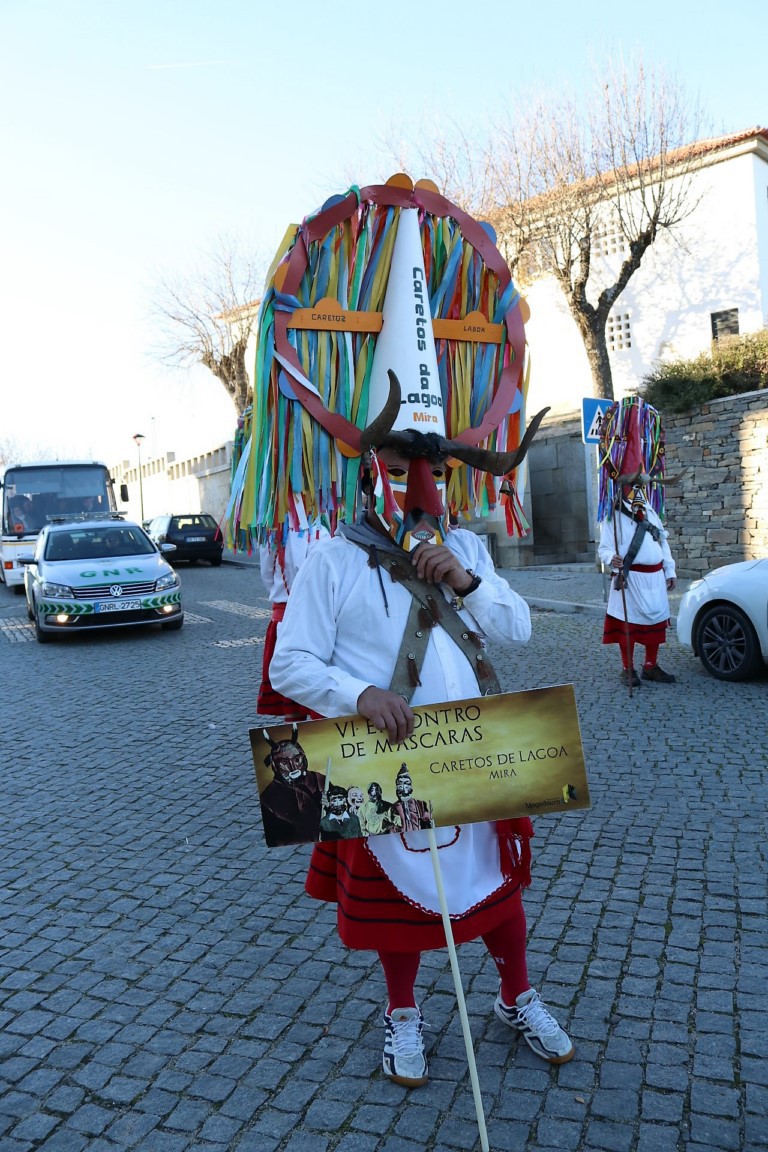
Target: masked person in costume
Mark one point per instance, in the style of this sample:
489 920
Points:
409 812
338 823
375 814
394 611
355 799
633 539
291 804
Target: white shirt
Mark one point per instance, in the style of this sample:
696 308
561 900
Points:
336 640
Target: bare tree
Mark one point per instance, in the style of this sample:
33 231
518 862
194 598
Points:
13 451
209 316
10 453
462 168
561 175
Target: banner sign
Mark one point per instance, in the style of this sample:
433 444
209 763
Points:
490 758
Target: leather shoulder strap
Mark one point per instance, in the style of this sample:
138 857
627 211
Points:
429 608
406 677
634 546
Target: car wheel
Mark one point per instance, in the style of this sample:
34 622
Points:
726 643
216 562
30 611
42 637
173 625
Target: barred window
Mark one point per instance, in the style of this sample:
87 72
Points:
725 323
609 241
618 332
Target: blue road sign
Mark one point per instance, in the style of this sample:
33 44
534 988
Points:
592 413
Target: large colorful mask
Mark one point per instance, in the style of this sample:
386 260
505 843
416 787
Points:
389 278
632 458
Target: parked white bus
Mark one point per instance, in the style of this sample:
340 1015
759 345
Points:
33 494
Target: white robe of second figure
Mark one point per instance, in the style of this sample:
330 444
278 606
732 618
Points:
278 578
645 592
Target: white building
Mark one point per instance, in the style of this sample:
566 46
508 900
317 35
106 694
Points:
707 277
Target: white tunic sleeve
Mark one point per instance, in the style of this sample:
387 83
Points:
502 615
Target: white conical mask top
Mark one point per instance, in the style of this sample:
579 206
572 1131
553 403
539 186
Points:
406 344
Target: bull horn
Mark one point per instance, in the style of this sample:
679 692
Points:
638 477
497 463
268 738
673 480
381 427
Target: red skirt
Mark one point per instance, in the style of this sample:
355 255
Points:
269 701
373 915
615 632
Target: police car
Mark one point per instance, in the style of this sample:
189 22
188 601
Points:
101 572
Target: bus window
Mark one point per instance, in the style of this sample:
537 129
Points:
35 493
19 515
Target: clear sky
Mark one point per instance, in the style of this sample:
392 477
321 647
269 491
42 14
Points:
134 132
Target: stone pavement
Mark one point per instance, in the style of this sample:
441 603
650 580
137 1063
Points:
166 985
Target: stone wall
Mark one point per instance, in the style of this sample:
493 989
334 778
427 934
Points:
718 513
557 472
557 501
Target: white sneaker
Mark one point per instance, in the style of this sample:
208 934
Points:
404 1060
541 1031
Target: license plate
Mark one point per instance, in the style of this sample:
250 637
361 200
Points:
195 539
118 606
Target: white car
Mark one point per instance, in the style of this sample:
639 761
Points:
99 573
724 619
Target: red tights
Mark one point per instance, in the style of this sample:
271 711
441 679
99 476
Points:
628 651
505 942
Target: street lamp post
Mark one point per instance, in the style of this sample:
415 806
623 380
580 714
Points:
138 438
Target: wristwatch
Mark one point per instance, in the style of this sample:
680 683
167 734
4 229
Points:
458 600
476 582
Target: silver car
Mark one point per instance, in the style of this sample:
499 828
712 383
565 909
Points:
99 573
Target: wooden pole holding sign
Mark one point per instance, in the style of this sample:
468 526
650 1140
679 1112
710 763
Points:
620 576
459 990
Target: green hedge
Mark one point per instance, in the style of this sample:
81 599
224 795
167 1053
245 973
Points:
735 364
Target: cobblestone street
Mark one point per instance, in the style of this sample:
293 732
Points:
165 984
